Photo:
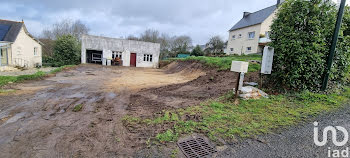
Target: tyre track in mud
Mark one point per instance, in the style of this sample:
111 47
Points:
38 119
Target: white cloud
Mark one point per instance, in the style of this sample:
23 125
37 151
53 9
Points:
199 19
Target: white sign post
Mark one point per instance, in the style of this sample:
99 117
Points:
267 59
240 67
266 63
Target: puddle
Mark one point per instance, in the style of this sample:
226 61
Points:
111 95
15 118
76 95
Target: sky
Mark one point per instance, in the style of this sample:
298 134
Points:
199 19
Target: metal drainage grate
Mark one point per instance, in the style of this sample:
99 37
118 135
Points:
196 148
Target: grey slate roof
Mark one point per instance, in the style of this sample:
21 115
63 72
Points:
12 32
254 18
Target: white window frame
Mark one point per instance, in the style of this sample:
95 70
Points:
231 49
117 54
240 36
148 57
36 51
251 35
233 37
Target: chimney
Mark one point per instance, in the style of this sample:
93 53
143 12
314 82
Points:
245 14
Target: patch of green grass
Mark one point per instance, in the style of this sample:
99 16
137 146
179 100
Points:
7 79
253 67
117 139
77 107
224 63
131 120
59 69
220 118
174 153
5 91
167 136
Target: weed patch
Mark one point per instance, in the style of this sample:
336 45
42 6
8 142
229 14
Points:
167 136
77 107
8 79
220 118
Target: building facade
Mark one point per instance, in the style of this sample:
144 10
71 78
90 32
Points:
251 33
102 50
17 46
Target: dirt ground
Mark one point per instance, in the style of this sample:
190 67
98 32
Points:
37 119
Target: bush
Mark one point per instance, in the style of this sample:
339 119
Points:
197 51
66 51
301 35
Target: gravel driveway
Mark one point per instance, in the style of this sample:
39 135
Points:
294 142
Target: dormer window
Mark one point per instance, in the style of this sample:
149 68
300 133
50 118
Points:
251 35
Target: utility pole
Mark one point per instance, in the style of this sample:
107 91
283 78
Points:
334 44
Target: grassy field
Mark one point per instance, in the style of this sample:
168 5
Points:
220 118
6 79
224 63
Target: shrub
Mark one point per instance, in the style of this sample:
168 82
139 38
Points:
301 35
66 51
197 51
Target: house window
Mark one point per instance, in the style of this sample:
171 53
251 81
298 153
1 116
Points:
147 57
19 50
234 37
231 49
251 35
117 55
240 36
35 51
249 49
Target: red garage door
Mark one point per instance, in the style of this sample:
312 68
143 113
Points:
133 59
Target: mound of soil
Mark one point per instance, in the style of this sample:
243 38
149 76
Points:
150 103
213 84
183 66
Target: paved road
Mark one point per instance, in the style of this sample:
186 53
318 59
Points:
294 142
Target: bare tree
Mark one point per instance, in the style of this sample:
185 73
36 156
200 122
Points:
165 45
169 46
65 27
181 44
150 35
132 37
47 48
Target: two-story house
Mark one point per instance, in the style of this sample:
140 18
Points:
251 33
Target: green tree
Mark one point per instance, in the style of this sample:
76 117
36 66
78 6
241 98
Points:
197 51
301 35
66 51
215 46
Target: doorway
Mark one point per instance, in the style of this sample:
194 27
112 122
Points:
94 56
3 57
133 59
